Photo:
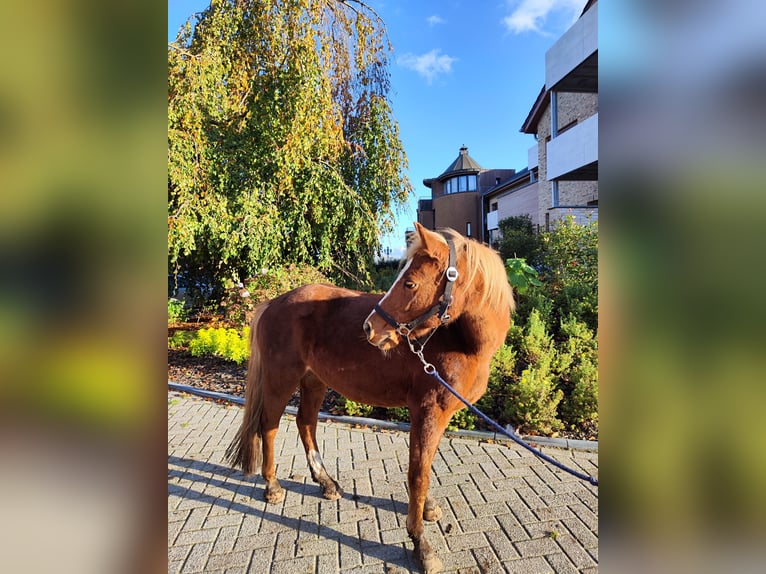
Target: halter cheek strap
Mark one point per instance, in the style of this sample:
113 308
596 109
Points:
440 309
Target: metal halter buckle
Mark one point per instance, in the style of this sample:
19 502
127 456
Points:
403 330
452 274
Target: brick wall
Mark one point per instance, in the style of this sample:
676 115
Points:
571 106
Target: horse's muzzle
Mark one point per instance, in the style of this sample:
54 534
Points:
384 339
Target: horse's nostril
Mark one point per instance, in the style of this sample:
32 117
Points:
367 328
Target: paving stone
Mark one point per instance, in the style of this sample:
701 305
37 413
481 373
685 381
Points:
576 553
561 564
536 565
498 502
195 561
228 560
466 541
537 547
487 561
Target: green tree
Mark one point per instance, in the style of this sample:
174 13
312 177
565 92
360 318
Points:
282 146
518 239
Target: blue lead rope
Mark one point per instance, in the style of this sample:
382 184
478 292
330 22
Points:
431 370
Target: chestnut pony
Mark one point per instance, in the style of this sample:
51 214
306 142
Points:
452 292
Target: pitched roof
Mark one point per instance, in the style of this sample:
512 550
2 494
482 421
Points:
533 117
464 163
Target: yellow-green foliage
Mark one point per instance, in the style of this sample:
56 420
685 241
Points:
354 409
282 142
220 342
180 339
463 419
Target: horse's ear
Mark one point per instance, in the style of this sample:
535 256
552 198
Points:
428 239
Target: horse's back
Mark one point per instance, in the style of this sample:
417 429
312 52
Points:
314 313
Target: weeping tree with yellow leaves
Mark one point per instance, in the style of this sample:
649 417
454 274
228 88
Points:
282 145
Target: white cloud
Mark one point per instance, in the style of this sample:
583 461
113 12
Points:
428 65
434 20
531 15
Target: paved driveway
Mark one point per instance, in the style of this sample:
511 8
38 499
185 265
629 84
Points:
504 509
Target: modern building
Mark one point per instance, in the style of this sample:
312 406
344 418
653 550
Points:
514 196
561 177
456 196
564 121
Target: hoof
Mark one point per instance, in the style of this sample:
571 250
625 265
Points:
432 513
432 564
274 495
428 558
332 491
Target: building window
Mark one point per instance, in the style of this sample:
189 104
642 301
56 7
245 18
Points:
468 229
460 184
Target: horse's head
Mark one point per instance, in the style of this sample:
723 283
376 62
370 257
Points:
421 297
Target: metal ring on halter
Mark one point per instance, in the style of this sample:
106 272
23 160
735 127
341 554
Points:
452 274
403 330
429 368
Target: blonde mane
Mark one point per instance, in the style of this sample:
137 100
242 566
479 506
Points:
480 261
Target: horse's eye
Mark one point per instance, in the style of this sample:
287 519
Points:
410 284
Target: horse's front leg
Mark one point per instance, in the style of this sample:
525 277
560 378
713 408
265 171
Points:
427 427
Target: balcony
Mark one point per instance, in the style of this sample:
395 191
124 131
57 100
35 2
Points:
573 155
571 64
492 220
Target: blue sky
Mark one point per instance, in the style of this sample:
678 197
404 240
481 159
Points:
462 72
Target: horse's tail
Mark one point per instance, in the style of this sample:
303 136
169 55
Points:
245 450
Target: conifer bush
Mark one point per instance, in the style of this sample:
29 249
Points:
544 380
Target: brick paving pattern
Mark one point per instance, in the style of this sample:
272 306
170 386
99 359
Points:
505 510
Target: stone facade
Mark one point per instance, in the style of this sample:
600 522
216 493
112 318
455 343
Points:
572 107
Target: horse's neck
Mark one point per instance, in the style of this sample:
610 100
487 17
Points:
482 331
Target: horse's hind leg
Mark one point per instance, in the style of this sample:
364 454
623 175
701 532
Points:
312 394
273 408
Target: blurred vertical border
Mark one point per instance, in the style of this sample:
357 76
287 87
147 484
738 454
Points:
83 95
83 286
682 267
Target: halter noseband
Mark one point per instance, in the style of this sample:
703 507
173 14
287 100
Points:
440 309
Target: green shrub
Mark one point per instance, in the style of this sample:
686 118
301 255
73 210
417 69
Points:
521 276
383 275
549 381
519 239
354 409
532 402
176 311
241 299
221 342
398 414
501 375
578 364
532 398
569 260
463 419
180 339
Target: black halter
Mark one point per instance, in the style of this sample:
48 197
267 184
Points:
440 309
